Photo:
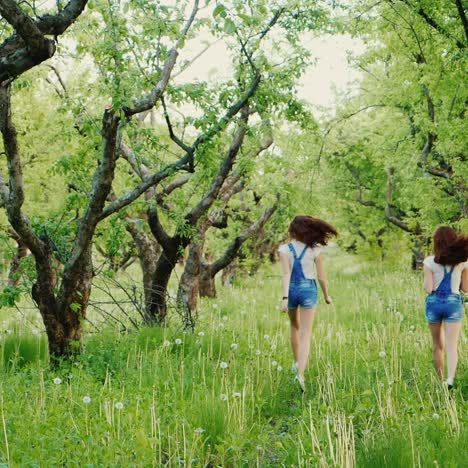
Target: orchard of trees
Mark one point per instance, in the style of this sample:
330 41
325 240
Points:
114 153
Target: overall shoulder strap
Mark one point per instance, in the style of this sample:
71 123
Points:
302 253
291 248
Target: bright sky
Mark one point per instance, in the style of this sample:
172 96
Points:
331 72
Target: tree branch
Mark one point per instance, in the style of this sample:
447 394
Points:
150 100
13 196
233 249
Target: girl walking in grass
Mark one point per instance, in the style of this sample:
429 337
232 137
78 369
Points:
302 264
445 273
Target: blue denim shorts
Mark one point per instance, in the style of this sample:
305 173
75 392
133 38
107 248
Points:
447 309
303 293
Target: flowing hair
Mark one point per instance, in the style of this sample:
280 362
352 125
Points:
311 231
450 248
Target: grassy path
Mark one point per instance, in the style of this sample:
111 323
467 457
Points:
225 397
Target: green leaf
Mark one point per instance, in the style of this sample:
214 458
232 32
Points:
229 26
220 8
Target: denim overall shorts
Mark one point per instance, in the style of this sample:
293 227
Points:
302 291
442 305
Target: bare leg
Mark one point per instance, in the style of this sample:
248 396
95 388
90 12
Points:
295 325
305 332
438 347
452 333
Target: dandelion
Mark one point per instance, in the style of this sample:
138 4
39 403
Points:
215 306
225 317
435 416
201 334
259 448
86 400
412 327
266 337
178 341
119 405
166 344
237 394
221 325
274 363
234 346
36 332
224 365
223 397
251 346
199 430
273 347
57 381
258 352
279 368
382 354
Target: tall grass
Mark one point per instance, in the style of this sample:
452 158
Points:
224 396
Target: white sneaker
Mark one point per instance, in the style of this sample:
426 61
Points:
301 382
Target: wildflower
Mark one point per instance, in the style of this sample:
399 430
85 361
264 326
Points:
57 381
224 365
237 394
86 399
36 332
234 346
435 416
199 430
258 352
266 337
166 344
279 368
119 405
221 325
259 448
202 334
178 341
225 317
274 363
223 397
382 354
273 347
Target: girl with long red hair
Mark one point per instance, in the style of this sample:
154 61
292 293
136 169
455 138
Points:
302 263
445 273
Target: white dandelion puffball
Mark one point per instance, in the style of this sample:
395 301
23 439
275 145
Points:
119 405
234 346
225 318
36 332
178 341
221 325
279 368
435 416
199 430
224 365
266 337
237 394
223 397
166 344
258 352
57 381
273 347
274 363
86 399
202 334
382 354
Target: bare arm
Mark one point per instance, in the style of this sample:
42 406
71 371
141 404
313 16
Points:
286 276
464 280
322 277
428 280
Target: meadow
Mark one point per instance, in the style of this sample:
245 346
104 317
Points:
225 396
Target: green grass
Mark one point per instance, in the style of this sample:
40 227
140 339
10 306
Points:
362 408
